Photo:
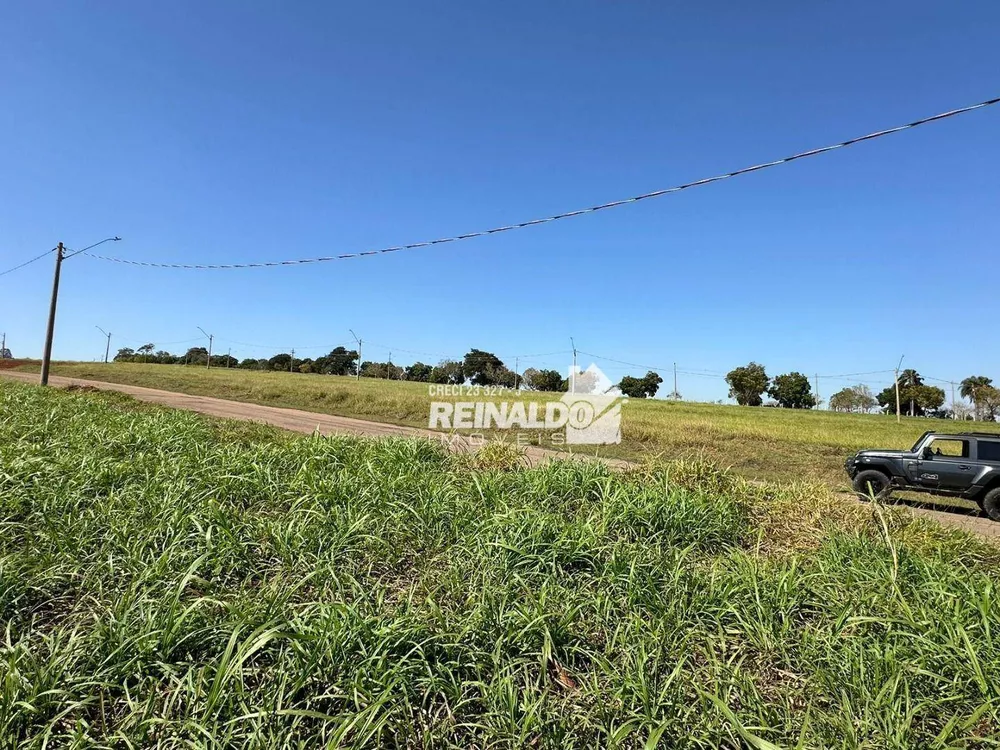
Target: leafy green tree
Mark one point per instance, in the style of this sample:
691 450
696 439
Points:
196 355
419 372
224 360
382 371
504 377
928 397
917 399
543 380
145 350
747 384
856 398
887 398
644 387
370 369
448 372
280 362
792 391
908 380
125 355
971 388
989 401
164 357
484 368
912 392
340 361
842 400
252 364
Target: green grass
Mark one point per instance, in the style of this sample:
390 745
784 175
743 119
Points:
770 444
169 580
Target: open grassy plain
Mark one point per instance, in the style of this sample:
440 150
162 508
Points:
770 444
169 580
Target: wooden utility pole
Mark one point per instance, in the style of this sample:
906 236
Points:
51 328
291 362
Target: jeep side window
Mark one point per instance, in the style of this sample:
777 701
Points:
947 448
989 450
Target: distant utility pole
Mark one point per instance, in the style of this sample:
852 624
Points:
572 373
675 395
51 327
107 348
229 356
816 380
953 414
360 354
516 360
388 367
291 362
210 336
898 365
3 346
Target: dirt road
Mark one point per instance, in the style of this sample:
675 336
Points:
287 419
309 422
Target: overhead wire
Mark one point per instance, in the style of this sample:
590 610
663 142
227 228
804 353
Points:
27 262
566 214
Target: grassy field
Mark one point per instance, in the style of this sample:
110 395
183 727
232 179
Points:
758 443
170 580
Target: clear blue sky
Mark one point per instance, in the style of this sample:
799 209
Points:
243 131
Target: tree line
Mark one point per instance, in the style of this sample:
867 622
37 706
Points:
477 367
918 399
749 383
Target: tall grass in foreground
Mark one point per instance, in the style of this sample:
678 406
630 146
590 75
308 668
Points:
166 580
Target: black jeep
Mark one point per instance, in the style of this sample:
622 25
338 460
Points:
965 465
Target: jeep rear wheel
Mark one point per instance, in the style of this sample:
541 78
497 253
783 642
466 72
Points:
991 504
874 484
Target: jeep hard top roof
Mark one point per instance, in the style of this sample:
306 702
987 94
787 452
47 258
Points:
989 435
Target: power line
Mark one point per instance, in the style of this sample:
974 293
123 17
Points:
27 262
621 362
502 355
539 356
567 214
283 346
856 374
161 343
65 257
655 368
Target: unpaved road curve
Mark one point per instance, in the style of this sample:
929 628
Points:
309 422
294 420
